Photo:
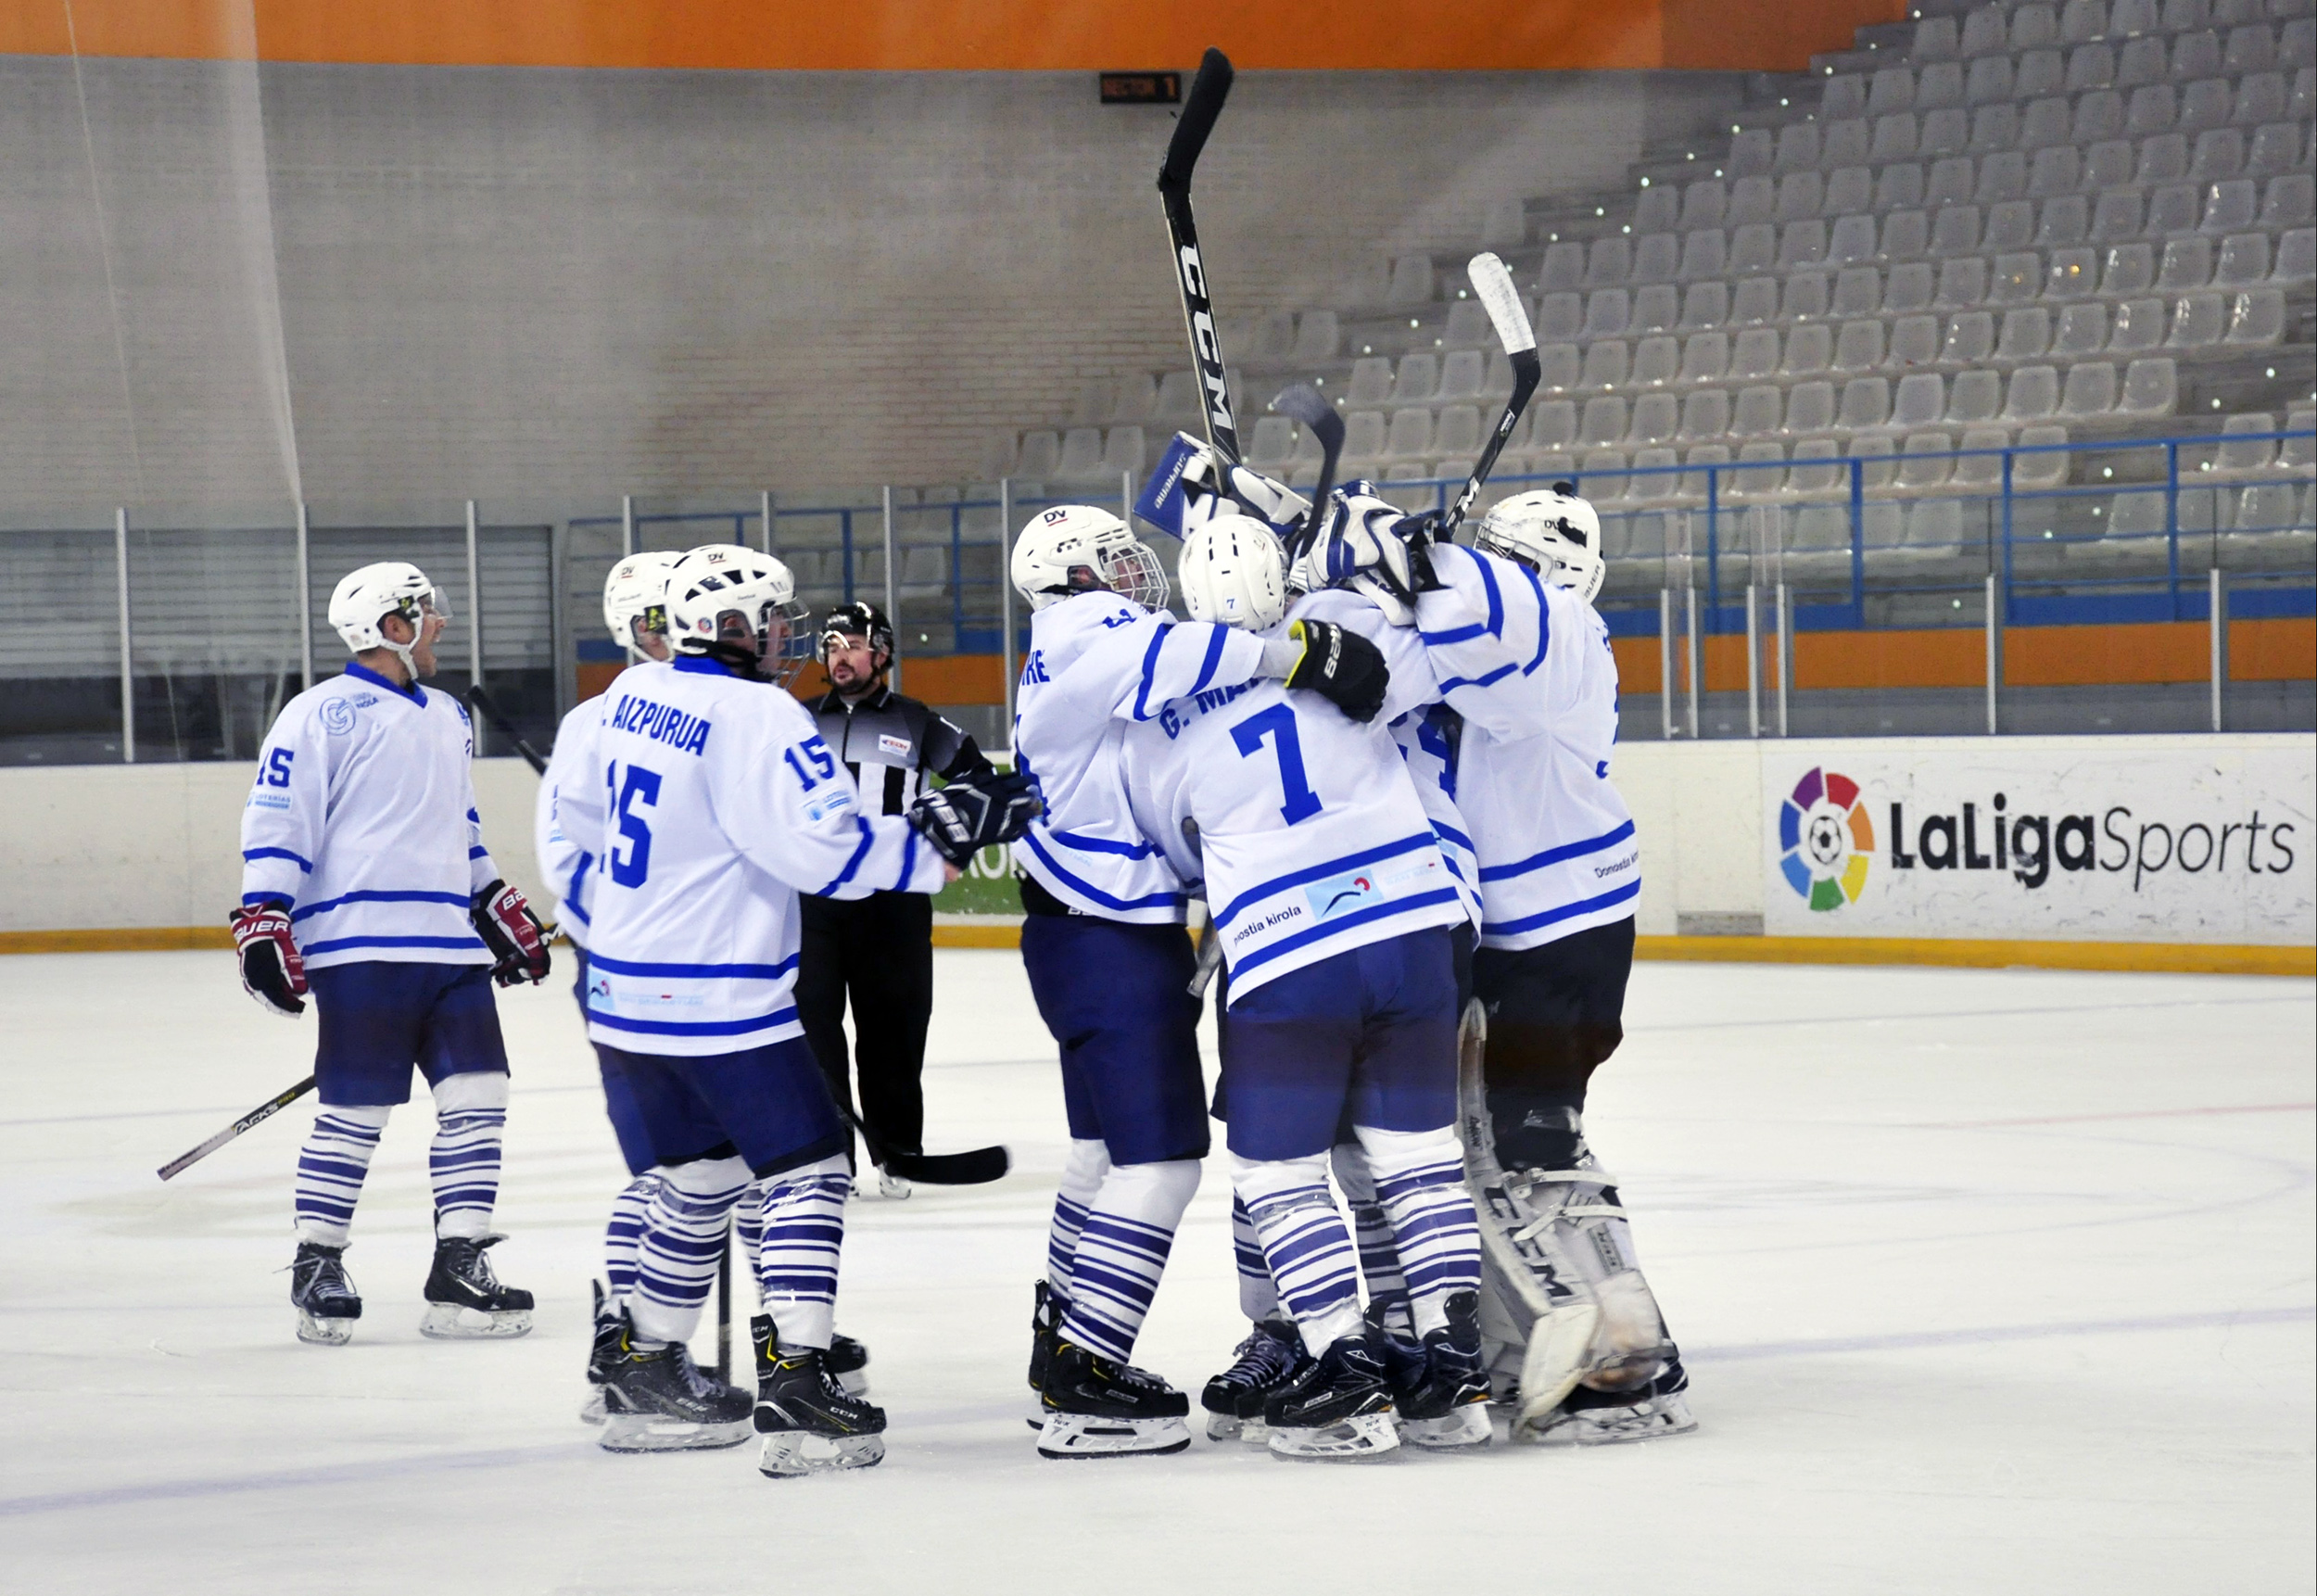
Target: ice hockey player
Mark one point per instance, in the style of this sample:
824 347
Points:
711 801
1104 946
365 882
878 949
1332 907
1576 1336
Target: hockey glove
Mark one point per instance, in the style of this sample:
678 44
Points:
1369 545
1341 666
273 970
503 919
967 817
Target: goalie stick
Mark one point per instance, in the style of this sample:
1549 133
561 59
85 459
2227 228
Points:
1200 108
1304 403
484 703
1494 285
265 1110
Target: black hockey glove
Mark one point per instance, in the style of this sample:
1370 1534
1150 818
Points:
967 817
518 942
1341 666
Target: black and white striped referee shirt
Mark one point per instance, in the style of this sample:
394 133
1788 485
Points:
889 743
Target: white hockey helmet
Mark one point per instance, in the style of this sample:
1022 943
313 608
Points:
635 597
1071 538
1553 530
1235 573
364 597
720 580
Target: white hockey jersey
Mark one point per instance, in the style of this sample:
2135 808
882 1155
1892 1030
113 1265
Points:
1311 836
1554 839
709 802
566 868
1098 663
363 818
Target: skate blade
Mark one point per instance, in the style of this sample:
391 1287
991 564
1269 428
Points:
1457 1429
1559 1345
660 1433
1644 1420
1230 1428
1066 1435
324 1332
790 1453
1366 1438
448 1322
591 1411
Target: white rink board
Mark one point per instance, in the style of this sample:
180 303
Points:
2205 839
1989 1282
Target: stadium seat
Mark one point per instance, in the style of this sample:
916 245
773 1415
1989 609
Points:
1753 357
1705 357
2090 389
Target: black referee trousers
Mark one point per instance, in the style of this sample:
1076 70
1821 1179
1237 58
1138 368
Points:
879 952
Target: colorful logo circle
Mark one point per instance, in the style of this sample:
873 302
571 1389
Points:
1825 840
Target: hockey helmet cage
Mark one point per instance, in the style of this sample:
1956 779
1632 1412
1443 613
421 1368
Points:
635 596
1071 538
1553 530
720 580
854 620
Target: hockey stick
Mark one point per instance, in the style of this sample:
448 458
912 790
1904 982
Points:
1502 301
724 1306
262 1111
491 711
1200 108
976 1167
1304 403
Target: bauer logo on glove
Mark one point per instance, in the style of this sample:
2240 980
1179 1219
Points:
965 817
273 970
517 941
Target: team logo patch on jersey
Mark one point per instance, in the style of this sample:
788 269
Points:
337 717
1340 894
1825 840
888 744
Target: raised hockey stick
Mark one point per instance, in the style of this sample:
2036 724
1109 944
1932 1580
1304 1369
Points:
265 1110
1200 108
491 710
1304 403
1493 284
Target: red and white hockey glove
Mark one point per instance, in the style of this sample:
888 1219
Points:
518 942
273 970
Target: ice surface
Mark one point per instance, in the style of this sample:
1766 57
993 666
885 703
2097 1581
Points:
1988 1282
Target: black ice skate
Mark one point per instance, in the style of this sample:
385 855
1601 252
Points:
1338 1410
325 1299
1095 1408
1046 1331
848 1360
464 1301
1448 1406
602 1354
1271 1356
660 1402
811 1424
1591 1418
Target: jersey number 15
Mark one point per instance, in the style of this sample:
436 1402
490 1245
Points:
628 866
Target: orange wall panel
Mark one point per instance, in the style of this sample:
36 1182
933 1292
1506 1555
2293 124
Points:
1402 35
2273 651
1943 658
2134 655
1637 663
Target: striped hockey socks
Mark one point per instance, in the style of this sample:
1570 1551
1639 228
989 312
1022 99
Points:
1083 1171
1379 1254
470 1122
1420 1185
683 1236
1304 1242
1121 1252
797 1268
331 1167
623 1237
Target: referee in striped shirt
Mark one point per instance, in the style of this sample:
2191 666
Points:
879 949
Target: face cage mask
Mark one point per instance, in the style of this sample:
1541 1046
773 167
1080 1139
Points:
1134 572
416 610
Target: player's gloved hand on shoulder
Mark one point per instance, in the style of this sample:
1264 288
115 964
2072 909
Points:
1340 665
967 817
1372 547
503 919
273 970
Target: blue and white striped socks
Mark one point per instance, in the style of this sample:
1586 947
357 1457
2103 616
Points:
1121 1252
1379 1255
1258 1299
1304 1242
330 1168
470 1124
623 1237
803 1235
683 1236
1420 1185
1083 1171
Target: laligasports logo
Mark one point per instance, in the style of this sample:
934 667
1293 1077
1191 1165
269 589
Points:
1825 840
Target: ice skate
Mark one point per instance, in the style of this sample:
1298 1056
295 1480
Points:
1591 1418
1448 1408
1338 1410
1271 1356
811 1424
464 1301
848 1360
891 1187
1095 1408
325 1299
1045 1329
660 1402
602 1354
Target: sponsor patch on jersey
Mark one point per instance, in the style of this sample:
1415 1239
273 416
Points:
1341 894
337 717
268 801
827 803
888 744
362 700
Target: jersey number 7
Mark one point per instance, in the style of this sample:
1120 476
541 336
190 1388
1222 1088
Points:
1278 723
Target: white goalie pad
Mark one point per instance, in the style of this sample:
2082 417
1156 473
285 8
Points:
1562 1292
